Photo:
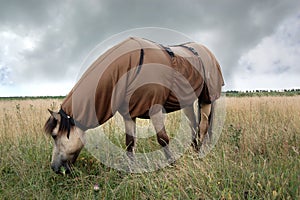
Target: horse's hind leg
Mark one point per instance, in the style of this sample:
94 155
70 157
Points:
162 137
204 122
130 137
189 112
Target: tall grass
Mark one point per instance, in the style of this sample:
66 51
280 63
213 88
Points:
256 157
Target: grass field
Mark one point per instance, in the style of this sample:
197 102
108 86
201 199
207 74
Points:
256 157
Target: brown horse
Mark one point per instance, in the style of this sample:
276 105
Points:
139 79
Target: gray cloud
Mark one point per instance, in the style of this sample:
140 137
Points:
21 15
65 31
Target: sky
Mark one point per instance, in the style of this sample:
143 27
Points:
43 43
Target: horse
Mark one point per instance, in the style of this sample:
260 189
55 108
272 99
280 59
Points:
137 78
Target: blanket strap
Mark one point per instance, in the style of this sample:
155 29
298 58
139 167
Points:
141 61
168 50
200 60
191 49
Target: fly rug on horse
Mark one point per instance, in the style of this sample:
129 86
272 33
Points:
139 79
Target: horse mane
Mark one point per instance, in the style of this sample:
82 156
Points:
50 125
64 126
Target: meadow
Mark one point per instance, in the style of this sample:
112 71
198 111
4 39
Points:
256 157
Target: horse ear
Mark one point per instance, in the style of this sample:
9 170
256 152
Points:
55 115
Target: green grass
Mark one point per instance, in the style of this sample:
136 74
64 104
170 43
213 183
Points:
256 157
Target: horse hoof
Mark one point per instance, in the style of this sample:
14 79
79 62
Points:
195 147
171 161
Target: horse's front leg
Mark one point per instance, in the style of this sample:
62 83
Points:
162 137
130 129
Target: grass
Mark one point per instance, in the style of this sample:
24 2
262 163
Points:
256 157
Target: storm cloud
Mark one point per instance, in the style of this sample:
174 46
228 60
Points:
44 42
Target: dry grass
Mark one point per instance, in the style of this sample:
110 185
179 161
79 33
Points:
257 157
265 120
25 117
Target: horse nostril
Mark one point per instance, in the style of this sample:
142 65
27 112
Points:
68 171
55 168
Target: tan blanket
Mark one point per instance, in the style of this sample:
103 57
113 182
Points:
136 74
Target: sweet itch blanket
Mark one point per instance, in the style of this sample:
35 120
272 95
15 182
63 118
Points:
136 75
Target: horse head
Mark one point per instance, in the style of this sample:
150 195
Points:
68 140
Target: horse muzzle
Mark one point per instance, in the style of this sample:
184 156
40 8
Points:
61 168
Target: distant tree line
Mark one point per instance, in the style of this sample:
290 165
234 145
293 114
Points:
31 97
284 92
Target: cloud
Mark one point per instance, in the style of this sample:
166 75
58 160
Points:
51 38
4 73
275 59
29 14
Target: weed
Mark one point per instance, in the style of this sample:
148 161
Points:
235 135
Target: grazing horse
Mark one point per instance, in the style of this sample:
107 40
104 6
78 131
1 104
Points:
139 79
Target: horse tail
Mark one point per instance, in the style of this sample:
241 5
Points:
211 120
199 114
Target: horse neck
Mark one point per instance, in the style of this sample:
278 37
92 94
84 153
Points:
84 117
